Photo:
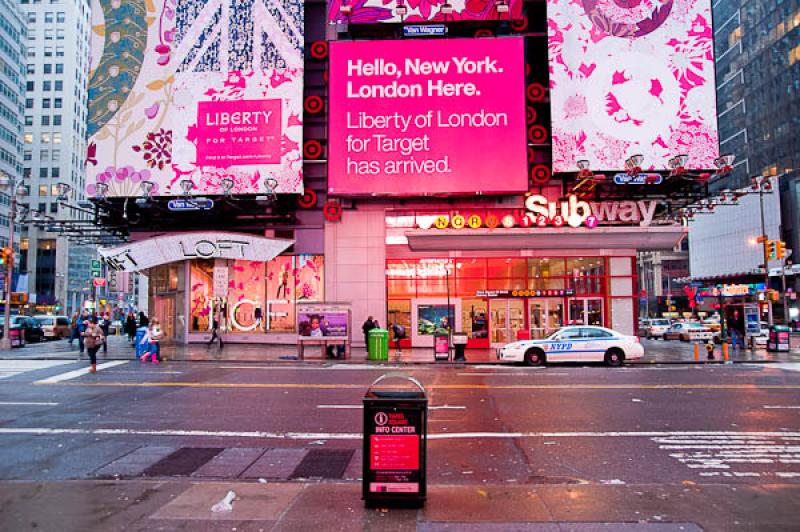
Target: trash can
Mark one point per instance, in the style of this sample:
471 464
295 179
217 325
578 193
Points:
441 347
378 348
779 336
460 346
140 349
395 438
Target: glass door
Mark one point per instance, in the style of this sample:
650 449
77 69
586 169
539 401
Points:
547 316
507 316
586 311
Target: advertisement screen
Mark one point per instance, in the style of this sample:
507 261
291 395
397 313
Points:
632 78
426 117
376 11
318 324
207 91
434 319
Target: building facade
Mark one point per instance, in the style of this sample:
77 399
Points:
57 63
12 97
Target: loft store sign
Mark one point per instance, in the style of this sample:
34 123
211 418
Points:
164 249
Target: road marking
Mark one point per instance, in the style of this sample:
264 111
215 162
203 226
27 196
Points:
789 366
42 431
319 368
773 407
359 407
11 403
9 368
313 386
504 374
78 372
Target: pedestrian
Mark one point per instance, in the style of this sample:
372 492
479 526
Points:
105 325
216 333
736 327
83 321
93 338
367 327
152 339
130 327
143 321
73 328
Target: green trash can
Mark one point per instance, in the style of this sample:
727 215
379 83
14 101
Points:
378 348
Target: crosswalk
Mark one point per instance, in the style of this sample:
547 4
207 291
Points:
10 368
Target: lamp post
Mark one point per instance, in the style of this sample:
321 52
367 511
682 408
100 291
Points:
7 183
764 247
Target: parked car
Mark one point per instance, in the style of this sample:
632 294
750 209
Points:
688 331
760 339
17 338
657 327
54 327
29 329
575 344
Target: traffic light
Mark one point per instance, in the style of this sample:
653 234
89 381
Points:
780 249
6 257
772 249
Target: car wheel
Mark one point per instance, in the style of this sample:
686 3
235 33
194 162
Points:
615 357
534 357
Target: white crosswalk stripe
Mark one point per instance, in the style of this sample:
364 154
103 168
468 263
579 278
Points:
9 368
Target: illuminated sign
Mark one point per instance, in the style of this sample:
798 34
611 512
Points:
398 11
638 179
525 293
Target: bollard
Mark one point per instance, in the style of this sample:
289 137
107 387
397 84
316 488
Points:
710 350
725 352
697 352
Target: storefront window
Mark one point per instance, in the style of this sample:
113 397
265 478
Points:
546 268
400 313
202 272
546 283
469 287
474 318
471 268
503 268
507 284
586 267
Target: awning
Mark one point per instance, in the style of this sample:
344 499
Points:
174 247
623 237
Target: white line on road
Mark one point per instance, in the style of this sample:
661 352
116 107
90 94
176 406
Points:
11 403
78 372
359 407
772 407
42 431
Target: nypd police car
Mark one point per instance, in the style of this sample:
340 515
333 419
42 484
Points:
579 343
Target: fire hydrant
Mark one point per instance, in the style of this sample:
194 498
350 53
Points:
710 350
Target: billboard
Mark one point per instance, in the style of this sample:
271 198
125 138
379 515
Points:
427 117
209 91
632 78
376 11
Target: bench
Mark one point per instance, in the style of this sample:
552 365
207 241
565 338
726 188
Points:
323 342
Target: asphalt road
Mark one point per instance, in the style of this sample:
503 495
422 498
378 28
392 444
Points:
648 447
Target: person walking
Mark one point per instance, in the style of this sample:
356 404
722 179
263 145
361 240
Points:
153 339
130 327
367 327
93 338
73 328
216 333
83 322
736 327
105 326
143 321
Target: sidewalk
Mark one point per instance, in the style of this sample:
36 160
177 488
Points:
302 506
656 352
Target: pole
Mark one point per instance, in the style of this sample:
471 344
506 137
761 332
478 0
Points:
6 341
766 253
785 295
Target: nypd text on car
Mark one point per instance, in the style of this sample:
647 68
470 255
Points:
581 343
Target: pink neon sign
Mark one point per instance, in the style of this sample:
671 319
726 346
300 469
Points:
422 117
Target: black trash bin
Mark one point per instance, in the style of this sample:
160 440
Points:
460 346
395 436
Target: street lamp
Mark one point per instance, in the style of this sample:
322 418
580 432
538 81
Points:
7 183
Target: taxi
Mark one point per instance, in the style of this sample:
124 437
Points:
579 343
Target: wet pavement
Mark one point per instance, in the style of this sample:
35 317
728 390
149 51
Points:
570 447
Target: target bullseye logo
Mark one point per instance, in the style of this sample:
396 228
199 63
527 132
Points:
313 104
308 200
332 211
319 50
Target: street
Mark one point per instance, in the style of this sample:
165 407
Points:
135 447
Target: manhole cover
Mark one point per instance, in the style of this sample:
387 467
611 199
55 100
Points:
323 463
182 462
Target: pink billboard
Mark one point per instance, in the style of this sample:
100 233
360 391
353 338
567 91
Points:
427 117
632 77
374 11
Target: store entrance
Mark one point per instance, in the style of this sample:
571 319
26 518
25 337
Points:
586 311
546 316
507 316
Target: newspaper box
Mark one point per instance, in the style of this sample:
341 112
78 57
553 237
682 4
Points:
779 336
395 434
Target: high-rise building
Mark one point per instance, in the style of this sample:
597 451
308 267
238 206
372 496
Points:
57 66
12 96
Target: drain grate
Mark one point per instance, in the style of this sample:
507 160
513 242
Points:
323 463
182 462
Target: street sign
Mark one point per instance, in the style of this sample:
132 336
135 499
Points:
96 264
95 273
197 204
99 281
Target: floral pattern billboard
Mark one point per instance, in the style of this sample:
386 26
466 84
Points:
632 77
209 91
375 11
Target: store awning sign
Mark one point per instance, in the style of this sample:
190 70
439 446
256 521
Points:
524 293
164 249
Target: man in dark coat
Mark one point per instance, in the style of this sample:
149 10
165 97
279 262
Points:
367 327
